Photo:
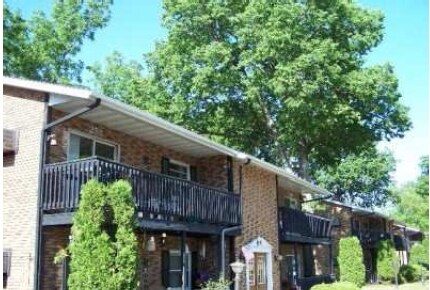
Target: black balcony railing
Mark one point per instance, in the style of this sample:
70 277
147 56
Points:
400 243
371 237
161 196
293 222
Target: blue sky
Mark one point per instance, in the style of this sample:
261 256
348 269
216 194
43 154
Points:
136 26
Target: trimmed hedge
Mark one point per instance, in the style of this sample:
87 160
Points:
410 273
336 286
351 267
386 255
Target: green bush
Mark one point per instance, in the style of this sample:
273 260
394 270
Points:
351 267
336 286
410 273
103 249
420 253
220 284
386 254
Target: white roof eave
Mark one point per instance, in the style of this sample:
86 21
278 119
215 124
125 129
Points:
158 122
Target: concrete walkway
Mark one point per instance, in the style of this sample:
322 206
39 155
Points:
410 286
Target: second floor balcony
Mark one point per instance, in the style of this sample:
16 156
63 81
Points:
298 226
156 196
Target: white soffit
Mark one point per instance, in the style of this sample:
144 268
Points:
106 116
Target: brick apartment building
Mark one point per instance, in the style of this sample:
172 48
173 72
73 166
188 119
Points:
199 203
192 195
370 227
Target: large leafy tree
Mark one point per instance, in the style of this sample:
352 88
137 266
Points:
283 80
412 200
45 48
362 179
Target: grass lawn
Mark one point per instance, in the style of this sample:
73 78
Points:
411 286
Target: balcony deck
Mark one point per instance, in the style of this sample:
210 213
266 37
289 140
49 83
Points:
298 226
157 196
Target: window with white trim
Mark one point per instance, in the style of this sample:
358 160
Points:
83 147
179 169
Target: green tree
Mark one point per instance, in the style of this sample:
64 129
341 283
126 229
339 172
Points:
362 179
351 267
284 81
103 250
45 48
412 200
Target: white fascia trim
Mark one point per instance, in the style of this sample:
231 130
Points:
47 87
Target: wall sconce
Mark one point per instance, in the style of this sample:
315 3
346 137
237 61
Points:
279 258
203 250
51 139
163 239
150 244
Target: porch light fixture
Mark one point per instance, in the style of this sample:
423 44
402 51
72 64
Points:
203 250
51 139
163 238
150 244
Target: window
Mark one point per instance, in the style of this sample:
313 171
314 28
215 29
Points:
178 169
83 147
261 270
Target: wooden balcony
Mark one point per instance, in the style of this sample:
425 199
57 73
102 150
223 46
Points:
369 238
298 226
157 196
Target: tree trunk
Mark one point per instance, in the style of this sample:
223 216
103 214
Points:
303 170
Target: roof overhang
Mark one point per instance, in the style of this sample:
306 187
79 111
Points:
130 120
359 210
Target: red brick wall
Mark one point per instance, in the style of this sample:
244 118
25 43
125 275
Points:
150 264
211 171
260 212
53 240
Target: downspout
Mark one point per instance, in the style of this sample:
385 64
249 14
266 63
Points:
245 160
223 232
45 131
